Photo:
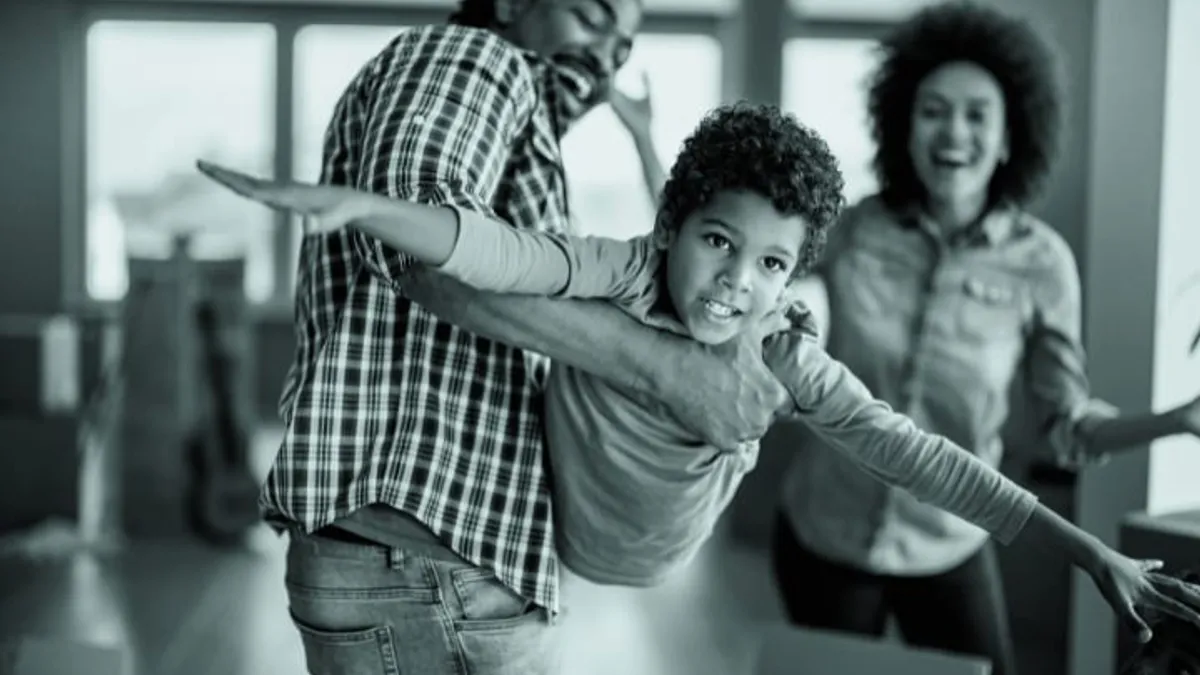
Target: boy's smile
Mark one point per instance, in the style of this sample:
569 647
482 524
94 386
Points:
730 262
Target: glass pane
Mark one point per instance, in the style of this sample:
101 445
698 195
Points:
824 85
326 59
160 95
608 196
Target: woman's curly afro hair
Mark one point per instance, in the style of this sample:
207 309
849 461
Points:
760 149
1009 48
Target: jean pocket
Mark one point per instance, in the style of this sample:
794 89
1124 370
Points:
487 604
368 651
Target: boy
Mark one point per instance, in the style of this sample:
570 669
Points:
744 212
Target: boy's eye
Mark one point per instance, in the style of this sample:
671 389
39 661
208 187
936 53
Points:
775 265
717 241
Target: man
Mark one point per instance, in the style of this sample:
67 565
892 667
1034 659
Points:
411 476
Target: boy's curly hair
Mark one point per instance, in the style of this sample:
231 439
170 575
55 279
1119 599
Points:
760 149
1009 48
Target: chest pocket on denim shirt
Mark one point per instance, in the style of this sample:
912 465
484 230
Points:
991 310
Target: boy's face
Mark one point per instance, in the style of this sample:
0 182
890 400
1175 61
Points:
730 262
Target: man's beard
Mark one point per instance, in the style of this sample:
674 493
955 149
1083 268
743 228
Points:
578 83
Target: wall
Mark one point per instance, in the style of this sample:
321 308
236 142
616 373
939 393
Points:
39 451
31 139
1120 283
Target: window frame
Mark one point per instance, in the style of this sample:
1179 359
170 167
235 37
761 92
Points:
731 30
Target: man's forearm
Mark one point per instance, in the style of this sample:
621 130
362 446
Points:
592 336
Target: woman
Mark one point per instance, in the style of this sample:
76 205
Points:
941 288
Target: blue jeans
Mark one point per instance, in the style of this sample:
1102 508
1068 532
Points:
363 609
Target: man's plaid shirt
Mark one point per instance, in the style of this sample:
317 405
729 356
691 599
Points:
384 402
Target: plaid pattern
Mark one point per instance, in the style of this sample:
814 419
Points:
385 403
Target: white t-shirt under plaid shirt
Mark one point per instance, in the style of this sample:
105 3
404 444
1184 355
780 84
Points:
384 403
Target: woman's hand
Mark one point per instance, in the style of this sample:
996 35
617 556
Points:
326 207
1189 416
1134 588
636 113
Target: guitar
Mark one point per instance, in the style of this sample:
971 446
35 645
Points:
223 503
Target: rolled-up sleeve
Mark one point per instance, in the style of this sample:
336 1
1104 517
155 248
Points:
838 407
446 112
1055 365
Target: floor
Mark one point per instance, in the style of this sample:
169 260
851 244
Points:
183 608
180 607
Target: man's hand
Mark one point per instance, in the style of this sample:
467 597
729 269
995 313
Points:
723 394
730 395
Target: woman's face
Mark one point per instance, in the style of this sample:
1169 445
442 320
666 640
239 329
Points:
959 134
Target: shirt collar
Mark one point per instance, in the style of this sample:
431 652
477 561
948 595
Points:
994 228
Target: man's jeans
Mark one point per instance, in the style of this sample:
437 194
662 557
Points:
370 610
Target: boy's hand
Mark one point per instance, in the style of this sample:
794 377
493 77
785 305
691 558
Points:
1133 587
327 207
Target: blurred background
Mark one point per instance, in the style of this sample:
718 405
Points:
104 382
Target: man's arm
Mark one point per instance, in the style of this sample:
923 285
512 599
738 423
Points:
725 395
449 110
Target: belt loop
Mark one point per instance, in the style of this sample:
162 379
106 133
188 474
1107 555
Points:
395 557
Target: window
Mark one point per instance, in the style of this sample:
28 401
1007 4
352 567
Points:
824 85
857 10
159 96
608 195
326 59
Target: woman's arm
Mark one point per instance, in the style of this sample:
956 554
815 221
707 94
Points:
1081 429
637 115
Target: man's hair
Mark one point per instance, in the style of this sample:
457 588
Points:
475 13
760 149
1009 48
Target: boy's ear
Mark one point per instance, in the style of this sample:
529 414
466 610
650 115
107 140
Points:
662 234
